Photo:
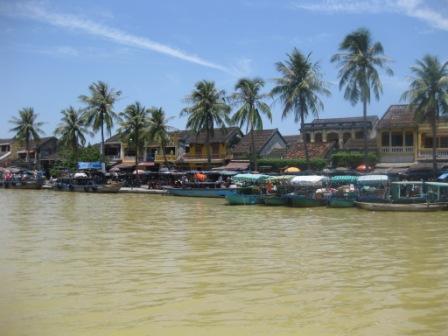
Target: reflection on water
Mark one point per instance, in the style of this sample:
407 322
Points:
86 264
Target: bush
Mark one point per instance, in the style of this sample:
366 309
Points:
277 164
85 154
353 159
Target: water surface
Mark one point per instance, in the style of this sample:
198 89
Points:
92 264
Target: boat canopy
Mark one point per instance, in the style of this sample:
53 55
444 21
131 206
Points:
437 184
251 178
443 176
309 180
373 179
280 178
344 179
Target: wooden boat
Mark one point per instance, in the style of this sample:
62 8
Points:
200 192
274 200
86 185
418 207
302 201
341 202
30 184
244 199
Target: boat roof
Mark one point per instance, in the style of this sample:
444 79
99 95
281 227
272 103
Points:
408 182
344 178
373 178
249 177
309 180
437 184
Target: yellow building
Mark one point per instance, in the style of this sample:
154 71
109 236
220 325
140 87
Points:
402 140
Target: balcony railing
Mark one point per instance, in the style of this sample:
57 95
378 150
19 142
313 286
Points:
161 158
426 153
398 149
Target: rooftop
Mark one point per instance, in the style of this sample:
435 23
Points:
398 116
341 123
261 138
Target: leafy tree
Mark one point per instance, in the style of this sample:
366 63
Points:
359 60
134 127
158 130
27 128
207 108
251 108
428 95
299 89
99 112
72 130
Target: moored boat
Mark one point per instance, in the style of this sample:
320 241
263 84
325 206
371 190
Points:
309 191
244 199
341 202
345 195
274 200
199 192
86 184
17 178
409 207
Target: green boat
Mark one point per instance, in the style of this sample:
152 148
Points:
274 200
244 199
301 201
341 202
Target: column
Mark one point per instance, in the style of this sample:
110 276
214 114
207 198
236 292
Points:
324 136
311 137
341 139
121 152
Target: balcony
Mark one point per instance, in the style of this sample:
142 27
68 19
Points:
426 153
398 149
161 158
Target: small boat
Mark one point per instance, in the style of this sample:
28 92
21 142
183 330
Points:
341 202
17 178
303 201
417 207
199 192
345 195
274 200
86 184
244 199
17 184
309 191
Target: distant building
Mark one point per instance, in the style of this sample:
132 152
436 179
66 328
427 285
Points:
339 130
265 141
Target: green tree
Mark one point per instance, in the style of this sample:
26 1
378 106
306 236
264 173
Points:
207 108
252 106
99 111
134 127
159 130
359 60
72 130
428 95
27 128
299 89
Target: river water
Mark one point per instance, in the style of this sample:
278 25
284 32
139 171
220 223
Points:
97 264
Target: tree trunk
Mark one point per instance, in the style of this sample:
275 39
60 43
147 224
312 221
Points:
102 139
305 145
164 154
207 147
75 149
364 115
27 149
252 150
434 142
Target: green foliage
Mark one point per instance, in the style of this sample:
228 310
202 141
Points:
277 164
85 154
353 159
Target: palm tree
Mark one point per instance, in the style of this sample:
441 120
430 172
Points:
72 130
207 109
359 61
134 127
252 106
158 130
99 111
27 128
428 94
299 89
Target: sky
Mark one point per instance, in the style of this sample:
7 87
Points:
155 51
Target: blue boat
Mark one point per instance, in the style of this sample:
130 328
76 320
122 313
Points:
244 199
200 192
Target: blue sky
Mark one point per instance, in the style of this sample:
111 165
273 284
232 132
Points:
154 51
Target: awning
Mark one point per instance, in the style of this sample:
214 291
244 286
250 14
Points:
124 165
309 180
146 164
251 178
373 179
235 165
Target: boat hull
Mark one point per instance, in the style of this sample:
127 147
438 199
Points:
275 200
340 202
243 199
200 192
22 185
299 201
414 207
102 189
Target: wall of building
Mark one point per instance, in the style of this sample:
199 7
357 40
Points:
276 142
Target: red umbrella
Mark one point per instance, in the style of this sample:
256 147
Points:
363 168
200 177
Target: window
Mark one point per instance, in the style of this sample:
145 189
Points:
215 148
409 139
427 141
385 139
318 137
130 152
397 139
443 142
198 149
359 135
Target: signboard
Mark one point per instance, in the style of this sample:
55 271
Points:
90 165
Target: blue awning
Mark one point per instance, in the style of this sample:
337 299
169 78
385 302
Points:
90 165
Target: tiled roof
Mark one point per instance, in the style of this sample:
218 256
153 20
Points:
5 141
398 116
340 123
315 150
343 120
261 138
291 139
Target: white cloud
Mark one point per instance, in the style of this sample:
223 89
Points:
412 8
36 11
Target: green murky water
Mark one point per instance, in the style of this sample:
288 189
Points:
86 264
